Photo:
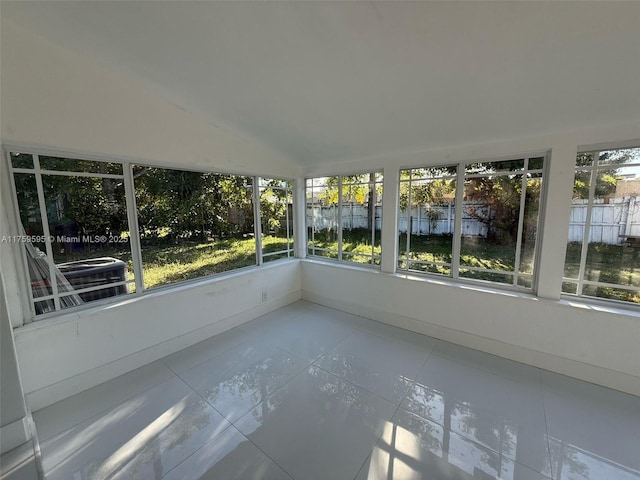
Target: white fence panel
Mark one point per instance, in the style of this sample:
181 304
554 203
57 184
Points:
610 222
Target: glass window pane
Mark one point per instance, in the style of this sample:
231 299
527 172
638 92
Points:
493 167
536 163
427 218
572 258
611 293
584 159
277 256
37 263
569 287
526 282
624 156
356 179
75 165
193 224
530 225
361 213
430 268
353 214
21 160
90 235
276 216
487 276
322 216
430 172
490 225
610 246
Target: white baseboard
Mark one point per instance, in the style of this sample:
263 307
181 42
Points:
616 380
14 434
53 393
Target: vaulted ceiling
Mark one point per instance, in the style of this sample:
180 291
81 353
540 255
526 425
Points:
330 81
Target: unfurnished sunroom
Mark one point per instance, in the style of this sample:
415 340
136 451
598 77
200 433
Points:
313 240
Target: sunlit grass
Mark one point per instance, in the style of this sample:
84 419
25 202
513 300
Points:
607 264
357 242
166 264
163 265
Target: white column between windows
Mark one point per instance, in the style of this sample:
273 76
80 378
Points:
299 214
389 235
554 222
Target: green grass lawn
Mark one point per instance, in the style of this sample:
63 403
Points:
356 242
163 265
607 264
166 264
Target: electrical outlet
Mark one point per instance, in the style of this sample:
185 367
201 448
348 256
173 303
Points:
264 296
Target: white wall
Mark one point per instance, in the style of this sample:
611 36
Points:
13 428
73 352
587 342
54 99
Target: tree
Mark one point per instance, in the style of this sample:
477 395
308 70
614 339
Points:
180 204
606 180
427 187
361 189
274 206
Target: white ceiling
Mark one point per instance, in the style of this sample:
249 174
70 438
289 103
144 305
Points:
329 81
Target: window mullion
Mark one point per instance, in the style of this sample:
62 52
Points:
372 214
288 194
339 226
257 225
457 224
587 224
409 224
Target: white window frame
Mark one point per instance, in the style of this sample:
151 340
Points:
375 259
288 189
580 281
460 177
132 219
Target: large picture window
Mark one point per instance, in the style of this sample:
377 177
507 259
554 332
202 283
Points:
344 217
75 230
276 219
603 249
471 220
94 230
193 224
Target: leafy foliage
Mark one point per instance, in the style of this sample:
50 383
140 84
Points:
177 204
606 179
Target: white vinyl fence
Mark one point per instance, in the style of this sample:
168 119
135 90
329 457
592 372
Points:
610 222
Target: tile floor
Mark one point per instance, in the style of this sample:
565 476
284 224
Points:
309 392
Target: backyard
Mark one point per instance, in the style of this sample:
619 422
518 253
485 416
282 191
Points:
164 263
169 263
605 263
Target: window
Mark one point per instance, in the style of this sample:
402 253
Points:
94 230
276 219
471 220
603 249
344 217
426 219
76 230
193 224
